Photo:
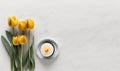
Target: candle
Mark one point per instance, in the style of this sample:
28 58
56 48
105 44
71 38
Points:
47 49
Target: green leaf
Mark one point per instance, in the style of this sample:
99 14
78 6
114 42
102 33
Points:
32 59
12 49
31 66
25 59
17 62
17 58
9 36
7 46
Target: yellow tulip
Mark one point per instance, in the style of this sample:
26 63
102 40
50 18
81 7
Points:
22 39
19 40
22 25
30 24
15 41
12 21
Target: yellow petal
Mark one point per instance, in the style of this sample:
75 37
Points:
22 25
9 21
15 41
23 39
30 24
12 21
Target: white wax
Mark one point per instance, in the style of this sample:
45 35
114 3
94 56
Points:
49 47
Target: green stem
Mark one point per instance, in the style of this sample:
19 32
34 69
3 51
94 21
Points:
13 30
29 60
12 59
12 64
21 49
29 49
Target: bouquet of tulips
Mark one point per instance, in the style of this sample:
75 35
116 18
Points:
16 42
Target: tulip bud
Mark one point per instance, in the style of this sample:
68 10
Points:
15 41
30 24
22 39
22 25
19 40
12 21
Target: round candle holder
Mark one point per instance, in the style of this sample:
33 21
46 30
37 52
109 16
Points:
53 55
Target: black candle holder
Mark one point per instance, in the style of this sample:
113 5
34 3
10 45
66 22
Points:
53 55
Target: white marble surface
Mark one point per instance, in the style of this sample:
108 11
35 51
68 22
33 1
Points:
88 32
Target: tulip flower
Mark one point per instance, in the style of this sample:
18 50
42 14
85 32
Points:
26 25
19 40
30 24
12 21
22 39
22 25
15 46
15 41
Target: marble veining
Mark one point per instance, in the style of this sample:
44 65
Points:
88 32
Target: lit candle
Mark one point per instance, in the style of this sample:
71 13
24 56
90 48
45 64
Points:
47 49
